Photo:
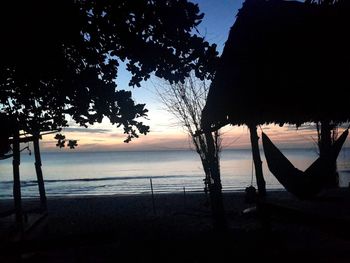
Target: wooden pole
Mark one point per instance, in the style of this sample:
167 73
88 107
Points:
16 180
254 139
39 173
325 147
153 203
184 197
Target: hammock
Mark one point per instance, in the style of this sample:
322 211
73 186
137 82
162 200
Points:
5 156
302 184
4 146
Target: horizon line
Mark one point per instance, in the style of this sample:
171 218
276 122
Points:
166 150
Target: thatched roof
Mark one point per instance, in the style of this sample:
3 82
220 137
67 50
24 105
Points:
284 62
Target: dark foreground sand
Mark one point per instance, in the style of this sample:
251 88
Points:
127 229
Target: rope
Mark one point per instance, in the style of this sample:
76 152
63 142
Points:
26 148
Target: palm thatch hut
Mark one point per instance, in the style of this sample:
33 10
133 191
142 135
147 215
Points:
284 62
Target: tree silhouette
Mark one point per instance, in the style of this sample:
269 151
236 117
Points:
185 101
61 58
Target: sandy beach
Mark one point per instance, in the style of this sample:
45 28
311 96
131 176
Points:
179 229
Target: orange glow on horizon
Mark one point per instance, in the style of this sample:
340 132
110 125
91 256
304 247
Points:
232 138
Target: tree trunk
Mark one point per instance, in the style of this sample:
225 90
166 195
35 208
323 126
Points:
39 172
215 188
254 139
16 179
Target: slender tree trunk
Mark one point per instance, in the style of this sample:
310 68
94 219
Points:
39 172
16 180
215 188
254 139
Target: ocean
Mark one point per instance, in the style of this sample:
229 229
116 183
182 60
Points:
104 173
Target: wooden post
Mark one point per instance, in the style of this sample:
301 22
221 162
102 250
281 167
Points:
184 197
16 179
39 173
325 147
153 203
254 139
325 143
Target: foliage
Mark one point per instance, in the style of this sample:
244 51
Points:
61 58
61 141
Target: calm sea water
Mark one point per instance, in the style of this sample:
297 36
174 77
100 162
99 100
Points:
101 173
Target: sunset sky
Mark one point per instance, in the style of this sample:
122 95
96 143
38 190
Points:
165 133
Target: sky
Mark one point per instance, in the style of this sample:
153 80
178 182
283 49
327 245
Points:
165 133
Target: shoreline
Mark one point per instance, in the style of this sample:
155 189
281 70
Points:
156 193
96 228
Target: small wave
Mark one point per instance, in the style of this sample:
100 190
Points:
28 184
117 178
34 182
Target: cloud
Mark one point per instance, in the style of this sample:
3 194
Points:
303 127
85 130
117 135
233 138
312 127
